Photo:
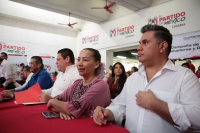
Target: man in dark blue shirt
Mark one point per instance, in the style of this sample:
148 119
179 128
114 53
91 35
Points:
40 75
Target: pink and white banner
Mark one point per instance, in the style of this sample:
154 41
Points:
186 46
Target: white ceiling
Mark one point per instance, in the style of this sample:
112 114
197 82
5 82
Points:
81 9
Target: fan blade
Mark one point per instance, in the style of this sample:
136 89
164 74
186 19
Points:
97 8
62 24
109 10
109 6
73 23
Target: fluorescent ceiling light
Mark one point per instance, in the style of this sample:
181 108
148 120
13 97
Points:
123 57
182 58
134 53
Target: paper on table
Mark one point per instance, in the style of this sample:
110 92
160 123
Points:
30 95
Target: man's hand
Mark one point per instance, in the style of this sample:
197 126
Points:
7 93
44 97
102 115
146 99
66 116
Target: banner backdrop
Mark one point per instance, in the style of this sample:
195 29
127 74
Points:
186 46
21 52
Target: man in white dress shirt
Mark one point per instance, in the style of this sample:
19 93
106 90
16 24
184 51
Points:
160 97
67 75
8 71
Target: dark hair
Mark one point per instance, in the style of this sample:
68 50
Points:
38 60
135 69
22 64
186 64
161 33
2 80
27 68
4 54
1 59
122 77
67 52
96 55
55 73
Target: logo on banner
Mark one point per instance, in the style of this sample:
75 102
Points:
91 39
124 31
176 20
12 49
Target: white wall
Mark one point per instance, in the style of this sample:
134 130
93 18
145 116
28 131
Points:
139 19
40 39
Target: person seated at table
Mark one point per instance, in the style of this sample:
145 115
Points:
28 74
68 73
161 97
81 98
40 75
117 79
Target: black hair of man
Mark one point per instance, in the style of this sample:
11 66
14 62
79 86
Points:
6 55
160 33
38 60
67 52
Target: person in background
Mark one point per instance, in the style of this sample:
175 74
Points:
54 75
134 69
192 67
20 68
22 77
109 73
117 79
186 65
66 77
128 73
8 71
40 75
81 98
4 55
166 96
27 74
198 72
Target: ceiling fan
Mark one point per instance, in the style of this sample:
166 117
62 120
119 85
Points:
107 7
69 24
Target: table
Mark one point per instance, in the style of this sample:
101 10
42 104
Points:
29 119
